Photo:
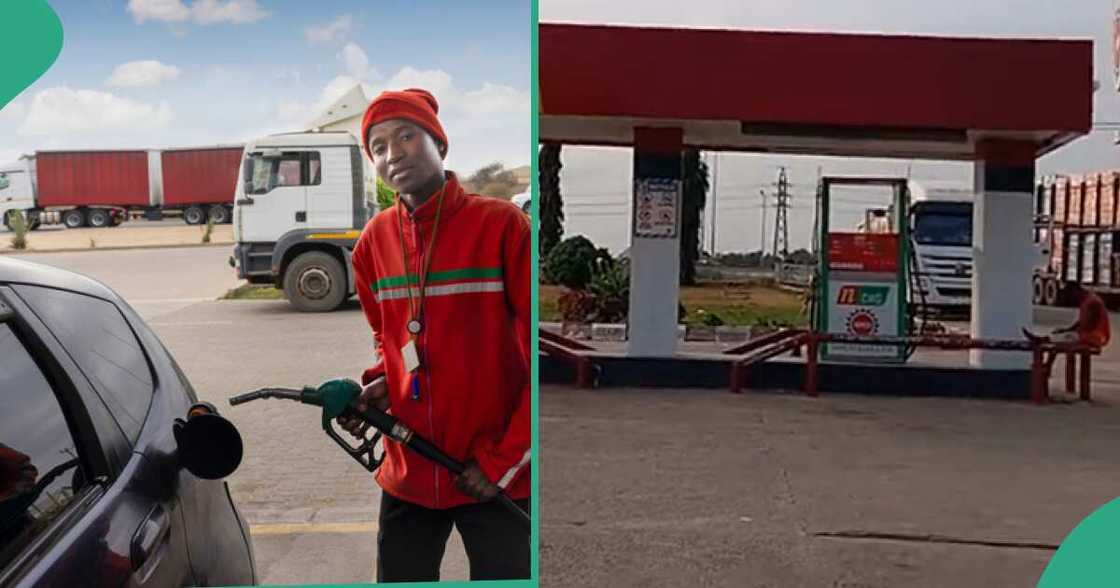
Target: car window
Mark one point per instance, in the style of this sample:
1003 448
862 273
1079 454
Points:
39 469
99 340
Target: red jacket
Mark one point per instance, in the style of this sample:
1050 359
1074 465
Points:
474 398
1092 321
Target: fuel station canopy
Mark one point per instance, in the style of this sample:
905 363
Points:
812 93
1000 103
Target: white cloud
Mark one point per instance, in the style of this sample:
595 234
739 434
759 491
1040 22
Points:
61 110
494 98
12 111
234 11
136 74
356 63
331 32
204 12
436 81
164 10
487 100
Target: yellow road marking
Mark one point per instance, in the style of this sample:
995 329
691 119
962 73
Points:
346 235
312 528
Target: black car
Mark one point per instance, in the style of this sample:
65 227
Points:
110 468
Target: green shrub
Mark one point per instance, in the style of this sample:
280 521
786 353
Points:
19 227
572 261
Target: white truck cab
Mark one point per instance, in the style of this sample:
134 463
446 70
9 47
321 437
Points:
301 202
941 235
17 188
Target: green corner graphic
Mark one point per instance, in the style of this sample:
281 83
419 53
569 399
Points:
1088 558
31 41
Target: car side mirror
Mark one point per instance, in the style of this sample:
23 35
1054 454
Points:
209 446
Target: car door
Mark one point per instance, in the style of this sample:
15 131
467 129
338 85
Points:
114 524
275 195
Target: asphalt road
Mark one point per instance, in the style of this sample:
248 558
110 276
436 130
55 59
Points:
153 281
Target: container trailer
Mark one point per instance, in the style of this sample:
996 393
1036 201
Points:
1076 215
103 188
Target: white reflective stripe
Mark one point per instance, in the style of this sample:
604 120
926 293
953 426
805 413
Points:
444 290
506 479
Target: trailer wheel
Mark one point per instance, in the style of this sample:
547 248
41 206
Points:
1050 292
98 218
74 219
1037 294
194 216
219 214
315 282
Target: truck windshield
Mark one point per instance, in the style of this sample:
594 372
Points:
946 226
263 174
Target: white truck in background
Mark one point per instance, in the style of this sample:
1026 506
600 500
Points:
941 239
301 202
17 189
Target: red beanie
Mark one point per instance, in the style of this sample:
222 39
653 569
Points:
414 104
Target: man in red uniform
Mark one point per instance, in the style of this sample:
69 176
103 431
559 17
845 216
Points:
444 280
1090 328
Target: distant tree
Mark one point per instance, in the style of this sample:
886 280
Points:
493 180
694 194
551 205
801 256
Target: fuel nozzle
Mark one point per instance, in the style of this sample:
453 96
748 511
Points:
334 396
285 393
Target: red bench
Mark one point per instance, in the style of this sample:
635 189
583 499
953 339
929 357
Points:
1072 352
1039 392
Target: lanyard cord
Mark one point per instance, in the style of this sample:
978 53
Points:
423 279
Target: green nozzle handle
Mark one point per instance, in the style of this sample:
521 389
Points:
337 397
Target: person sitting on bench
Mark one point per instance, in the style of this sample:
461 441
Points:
1091 327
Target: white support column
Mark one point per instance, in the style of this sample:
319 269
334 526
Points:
1002 259
655 243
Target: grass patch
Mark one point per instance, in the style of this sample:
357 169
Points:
253 292
736 304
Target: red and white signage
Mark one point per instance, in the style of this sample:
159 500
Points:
863 252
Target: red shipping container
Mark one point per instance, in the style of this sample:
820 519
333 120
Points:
1108 199
1059 194
70 178
200 176
1057 250
1089 202
1074 201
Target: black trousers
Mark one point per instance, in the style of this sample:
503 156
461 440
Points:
411 540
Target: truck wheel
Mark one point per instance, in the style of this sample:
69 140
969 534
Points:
74 219
194 216
1037 288
315 282
219 214
1050 293
98 218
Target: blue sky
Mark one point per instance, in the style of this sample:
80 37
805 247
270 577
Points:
199 72
596 182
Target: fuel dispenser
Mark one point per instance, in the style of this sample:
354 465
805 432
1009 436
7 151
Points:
862 277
